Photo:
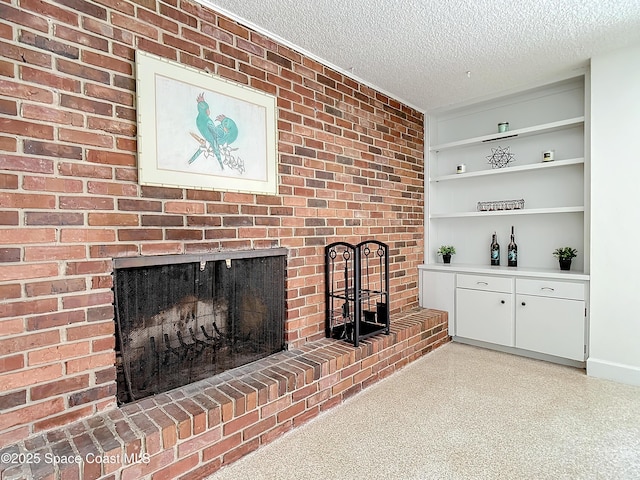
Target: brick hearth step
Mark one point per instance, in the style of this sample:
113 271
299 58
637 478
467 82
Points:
190 432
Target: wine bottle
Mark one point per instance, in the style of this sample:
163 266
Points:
495 250
512 251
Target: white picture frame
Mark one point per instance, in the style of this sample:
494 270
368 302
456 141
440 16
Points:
199 131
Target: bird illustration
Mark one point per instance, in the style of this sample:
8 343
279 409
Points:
215 136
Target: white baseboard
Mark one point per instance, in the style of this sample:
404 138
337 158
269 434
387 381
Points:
523 353
613 371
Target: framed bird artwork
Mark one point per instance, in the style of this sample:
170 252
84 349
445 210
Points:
197 130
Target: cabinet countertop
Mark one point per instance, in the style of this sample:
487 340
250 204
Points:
505 271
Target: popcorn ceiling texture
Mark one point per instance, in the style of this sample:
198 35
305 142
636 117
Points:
420 51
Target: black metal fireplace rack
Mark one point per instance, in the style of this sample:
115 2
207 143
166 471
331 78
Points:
357 290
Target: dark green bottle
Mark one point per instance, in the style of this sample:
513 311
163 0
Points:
512 251
495 250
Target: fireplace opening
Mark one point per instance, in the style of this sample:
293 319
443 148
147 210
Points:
180 319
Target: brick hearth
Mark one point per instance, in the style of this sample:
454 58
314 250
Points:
191 432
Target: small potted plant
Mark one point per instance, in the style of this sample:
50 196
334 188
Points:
446 251
565 254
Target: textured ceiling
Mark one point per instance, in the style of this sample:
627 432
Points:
419 51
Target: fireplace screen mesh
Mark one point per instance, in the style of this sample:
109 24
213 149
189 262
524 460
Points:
180 323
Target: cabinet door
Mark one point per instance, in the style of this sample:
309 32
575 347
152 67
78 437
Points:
554 326
437 290
485 316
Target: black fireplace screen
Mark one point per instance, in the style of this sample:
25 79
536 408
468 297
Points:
183 322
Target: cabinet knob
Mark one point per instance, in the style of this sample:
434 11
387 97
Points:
523 304
502 302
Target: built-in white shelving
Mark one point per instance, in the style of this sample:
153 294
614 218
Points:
556 206
535 308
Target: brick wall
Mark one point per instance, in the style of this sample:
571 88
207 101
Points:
350 167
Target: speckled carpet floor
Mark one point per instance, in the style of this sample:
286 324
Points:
463 412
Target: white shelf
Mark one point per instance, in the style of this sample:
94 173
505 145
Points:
524 211
502 171
504 270
535 130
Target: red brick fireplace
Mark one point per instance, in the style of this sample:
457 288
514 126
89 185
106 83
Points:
350 167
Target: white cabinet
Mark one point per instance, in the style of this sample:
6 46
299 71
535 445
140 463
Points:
484 308
437 290
550 317
516 310
542 119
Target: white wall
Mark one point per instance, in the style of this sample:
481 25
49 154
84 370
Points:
614 350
